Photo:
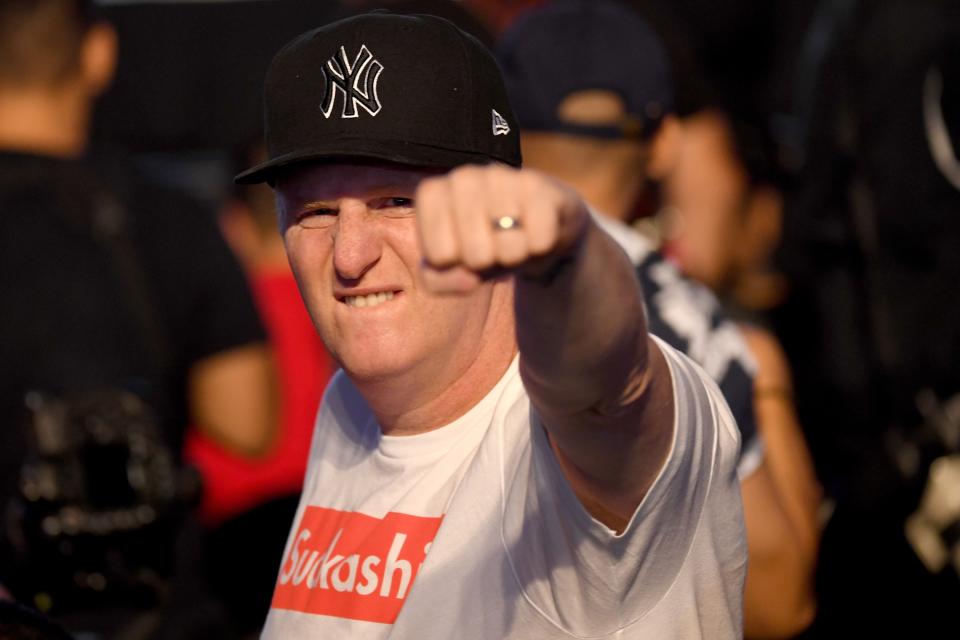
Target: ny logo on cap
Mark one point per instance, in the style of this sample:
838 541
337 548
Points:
356 80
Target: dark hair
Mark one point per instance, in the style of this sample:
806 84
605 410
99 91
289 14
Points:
755 148
258 198
18 622
40 40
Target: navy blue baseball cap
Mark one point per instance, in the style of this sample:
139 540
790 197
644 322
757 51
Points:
568 46
409 89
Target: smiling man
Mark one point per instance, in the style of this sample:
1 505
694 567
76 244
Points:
507 452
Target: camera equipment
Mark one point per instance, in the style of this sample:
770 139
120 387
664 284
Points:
101 499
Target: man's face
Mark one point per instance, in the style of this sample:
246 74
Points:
351 237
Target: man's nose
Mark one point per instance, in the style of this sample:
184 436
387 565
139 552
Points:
356 241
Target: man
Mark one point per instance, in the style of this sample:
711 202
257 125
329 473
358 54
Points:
599 116
109 288
585 487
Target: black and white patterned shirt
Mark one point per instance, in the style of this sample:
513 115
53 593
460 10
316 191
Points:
687 316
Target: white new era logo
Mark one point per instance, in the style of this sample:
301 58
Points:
500 126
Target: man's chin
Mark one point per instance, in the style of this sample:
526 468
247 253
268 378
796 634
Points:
374 367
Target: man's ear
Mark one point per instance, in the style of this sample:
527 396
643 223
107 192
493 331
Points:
664 148
98 57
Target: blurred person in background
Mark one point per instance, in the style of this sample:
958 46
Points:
721 216
246 499
598 115
126 318
722 226
872 322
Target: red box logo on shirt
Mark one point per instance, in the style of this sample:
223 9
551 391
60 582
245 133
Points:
351 565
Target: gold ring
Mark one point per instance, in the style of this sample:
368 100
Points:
505 223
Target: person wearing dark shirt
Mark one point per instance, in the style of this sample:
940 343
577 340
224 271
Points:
109 287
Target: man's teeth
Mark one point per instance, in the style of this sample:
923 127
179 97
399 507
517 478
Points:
370 300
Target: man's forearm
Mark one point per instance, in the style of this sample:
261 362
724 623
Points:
233 399
581 327
600 385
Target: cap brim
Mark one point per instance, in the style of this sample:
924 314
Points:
400 152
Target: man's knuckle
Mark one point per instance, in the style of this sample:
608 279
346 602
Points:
501 172
429 191
541 243
430 184
513 259
477 257
440 253
465 175
531 181
512 252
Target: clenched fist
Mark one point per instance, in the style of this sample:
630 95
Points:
479 222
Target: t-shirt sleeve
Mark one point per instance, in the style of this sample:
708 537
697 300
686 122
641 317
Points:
591 581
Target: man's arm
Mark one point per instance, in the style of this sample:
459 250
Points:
781 500
233 398
231 389
600 385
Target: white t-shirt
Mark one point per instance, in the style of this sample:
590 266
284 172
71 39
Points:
472 532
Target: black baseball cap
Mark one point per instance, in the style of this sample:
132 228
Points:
410 89
567 46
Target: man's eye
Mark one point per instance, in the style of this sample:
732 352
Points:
392 204
316 216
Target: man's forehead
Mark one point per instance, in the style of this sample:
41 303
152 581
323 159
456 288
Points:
339 178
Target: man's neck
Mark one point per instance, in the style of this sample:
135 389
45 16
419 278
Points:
43 122
400 414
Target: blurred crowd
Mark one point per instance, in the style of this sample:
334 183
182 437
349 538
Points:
785 168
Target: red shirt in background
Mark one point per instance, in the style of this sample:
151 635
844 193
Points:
232 484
